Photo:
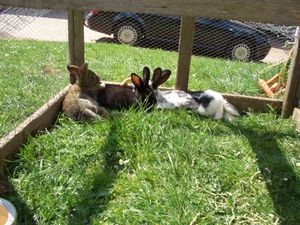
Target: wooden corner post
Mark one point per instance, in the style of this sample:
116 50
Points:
292 95
186 41
76 36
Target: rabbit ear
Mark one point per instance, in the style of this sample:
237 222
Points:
146 75
74 70
164 77
73 78
156 77
83 69
137 81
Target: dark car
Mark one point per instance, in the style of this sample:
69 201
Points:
217 38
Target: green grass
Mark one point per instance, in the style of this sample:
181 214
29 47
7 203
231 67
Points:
30 73
162 167
205 73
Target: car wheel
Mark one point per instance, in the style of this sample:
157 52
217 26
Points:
127 33
241 52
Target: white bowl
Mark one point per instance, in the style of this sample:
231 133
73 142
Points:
8 213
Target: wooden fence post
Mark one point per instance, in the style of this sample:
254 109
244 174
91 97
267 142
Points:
186 42
76 36
292 94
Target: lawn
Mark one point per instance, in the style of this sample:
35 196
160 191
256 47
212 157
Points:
161 167
31 72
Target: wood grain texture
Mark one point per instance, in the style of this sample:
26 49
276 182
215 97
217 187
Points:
267 11
291 97
296 118
76 36
187 30
254 104
40 120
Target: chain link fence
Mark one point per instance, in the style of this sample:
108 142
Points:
213 37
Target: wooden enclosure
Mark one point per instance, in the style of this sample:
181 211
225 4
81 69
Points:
266 11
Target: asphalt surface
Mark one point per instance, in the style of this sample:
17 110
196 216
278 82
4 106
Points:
43 25
52 25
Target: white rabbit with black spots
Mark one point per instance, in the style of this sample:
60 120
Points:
207 103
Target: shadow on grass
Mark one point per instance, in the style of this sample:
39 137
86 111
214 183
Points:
281 181
94 201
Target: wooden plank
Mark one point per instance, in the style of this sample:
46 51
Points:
291 97
43 118
296 118
187 30
245 103
267 11
76 36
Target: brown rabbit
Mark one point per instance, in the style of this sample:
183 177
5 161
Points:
113 96
80 102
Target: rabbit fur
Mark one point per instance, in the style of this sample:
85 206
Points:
113 96
116 96
80 103
207 103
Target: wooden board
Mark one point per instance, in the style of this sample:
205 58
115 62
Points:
267 11
245 103
187 30
40 120
76 36
291 97
296 118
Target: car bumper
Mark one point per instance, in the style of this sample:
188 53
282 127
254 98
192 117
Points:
263 52
263 48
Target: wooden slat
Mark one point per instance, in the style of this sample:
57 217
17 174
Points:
296 118
76 36
293 83
43 118
255 104
186 41
268 11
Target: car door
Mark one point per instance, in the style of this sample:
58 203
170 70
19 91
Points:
211 37
161 28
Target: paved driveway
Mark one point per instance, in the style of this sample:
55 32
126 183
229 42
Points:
44 25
